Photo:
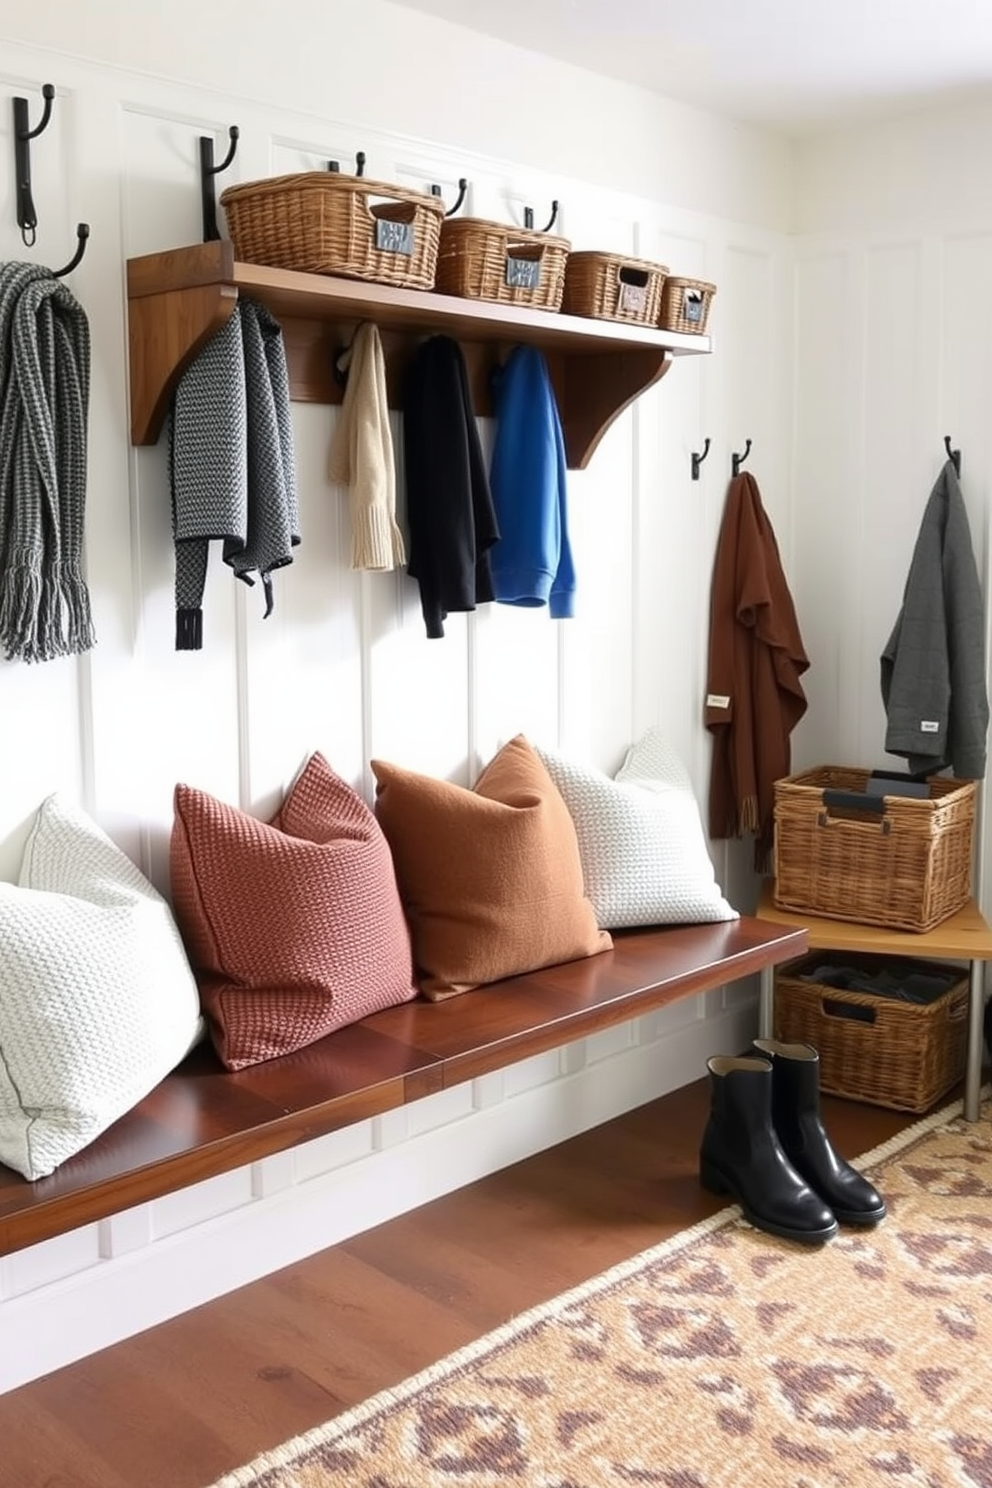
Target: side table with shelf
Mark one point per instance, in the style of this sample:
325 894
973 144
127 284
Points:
966 936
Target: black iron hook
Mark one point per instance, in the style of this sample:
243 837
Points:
48 94
737 460
954 455
82 233
207 172
462 188
27 218
698 456
529 217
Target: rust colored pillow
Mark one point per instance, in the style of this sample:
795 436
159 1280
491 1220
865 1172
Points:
293 928
490 878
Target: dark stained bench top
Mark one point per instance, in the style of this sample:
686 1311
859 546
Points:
202 1120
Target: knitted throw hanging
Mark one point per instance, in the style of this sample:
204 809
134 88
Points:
44 402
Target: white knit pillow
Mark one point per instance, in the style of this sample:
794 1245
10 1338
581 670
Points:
644 856
97 1000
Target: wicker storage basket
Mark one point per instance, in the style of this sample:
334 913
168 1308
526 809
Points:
881 1050
890 860
488 261
607 286
322 222
685 305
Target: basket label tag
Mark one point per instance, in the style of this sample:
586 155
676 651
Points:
692 306
929 726
633 297
523 273
717 700
393 237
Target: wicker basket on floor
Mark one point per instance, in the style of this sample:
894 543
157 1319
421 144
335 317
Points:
481 260
685 305
607 286
899 861
324 222
881 1050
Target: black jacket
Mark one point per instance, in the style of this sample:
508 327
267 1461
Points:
450 514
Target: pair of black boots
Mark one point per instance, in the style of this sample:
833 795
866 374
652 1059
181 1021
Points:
765 1144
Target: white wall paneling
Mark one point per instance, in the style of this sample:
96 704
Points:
826 496
845 352
482 95
894 463
343 664
892 354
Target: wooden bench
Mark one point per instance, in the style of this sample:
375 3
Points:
202 1120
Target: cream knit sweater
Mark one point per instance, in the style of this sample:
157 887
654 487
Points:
362 455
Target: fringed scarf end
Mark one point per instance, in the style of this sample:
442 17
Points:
747 817
189 630
72 619
20 601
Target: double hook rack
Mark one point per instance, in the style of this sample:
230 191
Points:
736 459
462 188
27 217
529 218
209 169
335 165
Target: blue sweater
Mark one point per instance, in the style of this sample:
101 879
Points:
532 561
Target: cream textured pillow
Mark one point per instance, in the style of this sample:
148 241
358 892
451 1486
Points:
97 999
644 856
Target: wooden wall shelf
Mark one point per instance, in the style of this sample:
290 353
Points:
178 298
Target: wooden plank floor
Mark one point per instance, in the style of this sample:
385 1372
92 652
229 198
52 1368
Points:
184 1402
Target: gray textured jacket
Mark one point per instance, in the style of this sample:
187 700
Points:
933 667
232 462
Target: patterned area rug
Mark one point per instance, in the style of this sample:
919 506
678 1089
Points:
724 1356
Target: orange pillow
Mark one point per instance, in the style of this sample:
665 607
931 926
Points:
490 878
293 928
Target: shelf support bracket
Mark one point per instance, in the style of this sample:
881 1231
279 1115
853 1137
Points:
169 320
593 390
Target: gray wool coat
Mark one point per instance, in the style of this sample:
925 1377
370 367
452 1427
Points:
933 667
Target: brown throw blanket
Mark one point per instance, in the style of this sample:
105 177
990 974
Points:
754 697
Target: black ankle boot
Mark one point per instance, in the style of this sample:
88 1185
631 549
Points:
741 1155
796 1116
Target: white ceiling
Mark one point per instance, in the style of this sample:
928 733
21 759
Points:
797 65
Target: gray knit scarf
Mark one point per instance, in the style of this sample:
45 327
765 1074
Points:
44 401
